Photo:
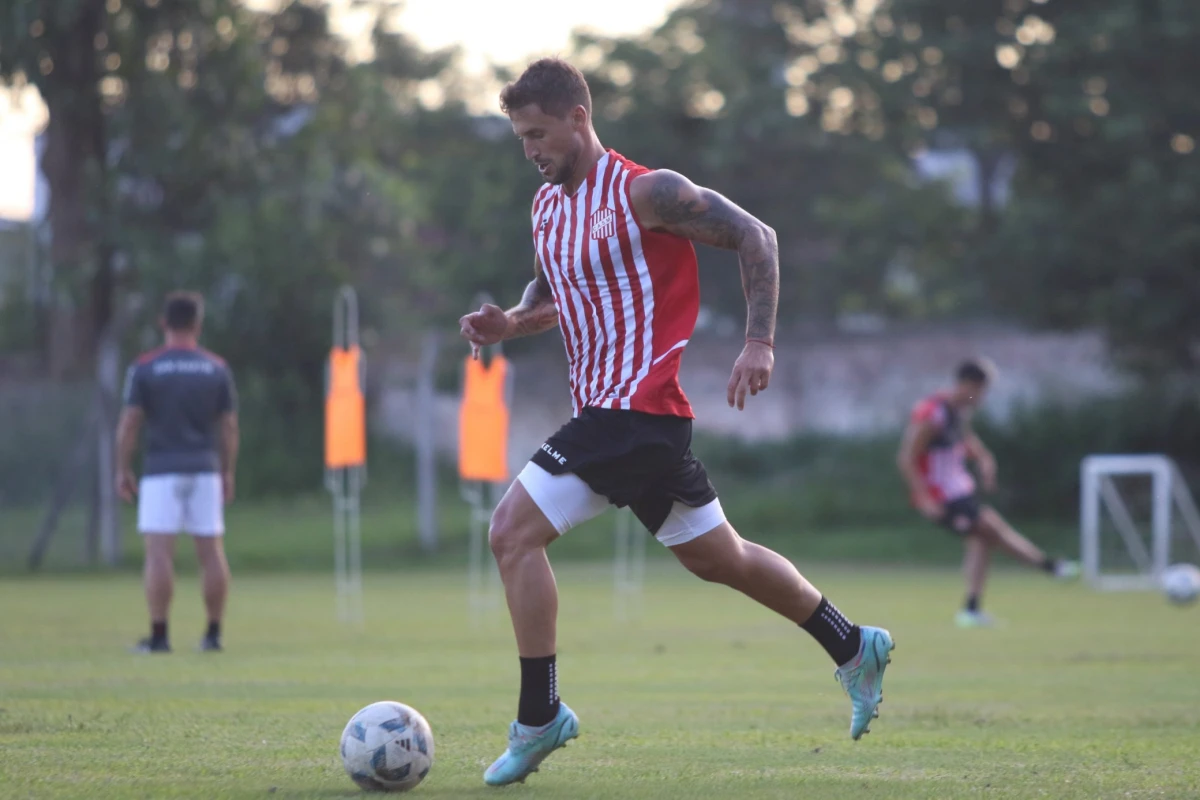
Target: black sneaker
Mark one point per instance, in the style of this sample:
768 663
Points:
210 644
150 645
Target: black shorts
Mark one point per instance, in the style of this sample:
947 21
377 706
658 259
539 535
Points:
961 515
643 461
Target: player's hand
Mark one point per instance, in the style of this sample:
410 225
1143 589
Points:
751 373
932 509
227 484
484 327
126 485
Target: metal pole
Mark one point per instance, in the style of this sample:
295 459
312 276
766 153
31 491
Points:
1161 524
1089 522
425 437
354 524
346 483
472 493
339 553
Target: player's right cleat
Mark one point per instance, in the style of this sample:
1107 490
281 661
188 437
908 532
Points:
149 645
974 619
862 678
527 747
210 644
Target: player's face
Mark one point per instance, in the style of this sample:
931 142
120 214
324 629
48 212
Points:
552 144
971 395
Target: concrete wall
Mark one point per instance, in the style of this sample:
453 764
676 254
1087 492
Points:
842 384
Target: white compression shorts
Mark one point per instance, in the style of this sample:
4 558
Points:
567 501
182 503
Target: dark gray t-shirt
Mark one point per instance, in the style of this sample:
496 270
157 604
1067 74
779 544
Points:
182 392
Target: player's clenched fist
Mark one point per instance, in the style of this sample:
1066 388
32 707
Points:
484 327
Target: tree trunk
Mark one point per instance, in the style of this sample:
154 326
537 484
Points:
72 162
987 164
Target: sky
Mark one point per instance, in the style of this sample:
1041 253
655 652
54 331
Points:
505 32
509 31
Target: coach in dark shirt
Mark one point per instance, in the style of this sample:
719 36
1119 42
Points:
186 399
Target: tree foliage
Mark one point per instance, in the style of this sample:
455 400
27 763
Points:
1094 105
255 157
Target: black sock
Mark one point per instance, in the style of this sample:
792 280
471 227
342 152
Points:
539 691
840 638
972 602
158 631
214 631
1050 564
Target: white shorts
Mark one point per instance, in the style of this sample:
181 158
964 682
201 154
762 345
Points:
567 501
179 503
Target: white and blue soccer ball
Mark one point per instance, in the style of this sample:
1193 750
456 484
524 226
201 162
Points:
1181 583
387 747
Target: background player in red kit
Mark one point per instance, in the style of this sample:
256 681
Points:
933 459
615 270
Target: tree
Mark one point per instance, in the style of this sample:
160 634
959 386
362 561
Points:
1103 230
1093 104
60 47
722 92
242 154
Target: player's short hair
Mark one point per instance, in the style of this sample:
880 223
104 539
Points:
553 84
976 370
182 310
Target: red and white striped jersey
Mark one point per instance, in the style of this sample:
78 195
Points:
627 297
944 464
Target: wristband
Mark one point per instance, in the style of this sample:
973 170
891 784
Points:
767 342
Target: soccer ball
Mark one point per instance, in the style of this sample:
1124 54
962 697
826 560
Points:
1181 583
387 747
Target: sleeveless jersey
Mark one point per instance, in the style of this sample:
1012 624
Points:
627 297
944 464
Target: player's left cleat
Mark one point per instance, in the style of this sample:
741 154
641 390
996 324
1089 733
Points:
210 644
862 678
527 747
1065 570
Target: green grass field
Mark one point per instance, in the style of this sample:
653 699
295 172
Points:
296 535
699 694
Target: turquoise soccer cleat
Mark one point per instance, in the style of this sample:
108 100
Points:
862 678
527 747
974 619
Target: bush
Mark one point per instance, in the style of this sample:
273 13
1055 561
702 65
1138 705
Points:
1040 449
827 483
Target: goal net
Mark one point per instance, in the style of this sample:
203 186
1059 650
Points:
1136 518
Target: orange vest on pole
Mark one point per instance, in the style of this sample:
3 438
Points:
345 411
483 422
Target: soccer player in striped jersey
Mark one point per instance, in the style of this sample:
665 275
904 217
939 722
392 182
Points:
933 458
615 270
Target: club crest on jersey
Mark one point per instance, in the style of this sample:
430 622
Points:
603 223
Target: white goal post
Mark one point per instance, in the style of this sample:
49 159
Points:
1169 496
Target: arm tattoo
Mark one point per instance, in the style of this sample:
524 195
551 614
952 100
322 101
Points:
760 281
705 216
536 312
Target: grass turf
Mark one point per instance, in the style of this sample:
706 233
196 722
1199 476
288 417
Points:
698 694
296 535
